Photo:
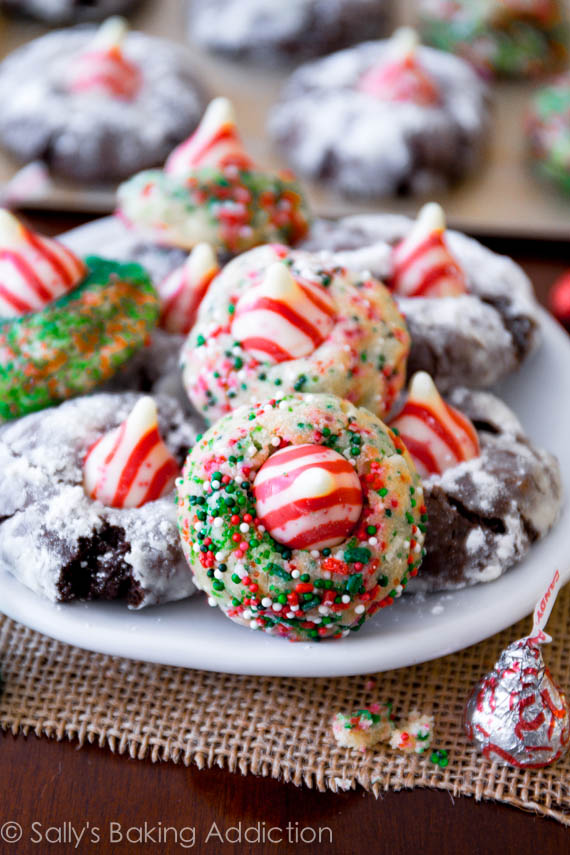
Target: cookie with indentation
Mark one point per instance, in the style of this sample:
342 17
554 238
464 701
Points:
383 118
79 99
471 313
105 531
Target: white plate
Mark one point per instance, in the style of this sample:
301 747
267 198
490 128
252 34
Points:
415 629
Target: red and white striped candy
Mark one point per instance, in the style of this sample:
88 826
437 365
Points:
308 497
131 465
34 270
282 318
215 142
436 435
103 68
423 264
183 290
399 77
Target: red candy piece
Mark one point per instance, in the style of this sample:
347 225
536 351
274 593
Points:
215 142
436 435
282 318
559 299
184 289
423 264
308 497
34 270
131 465
400 77
103 69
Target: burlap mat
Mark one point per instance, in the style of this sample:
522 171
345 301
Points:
273 726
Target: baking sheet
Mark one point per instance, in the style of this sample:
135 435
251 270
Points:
502 198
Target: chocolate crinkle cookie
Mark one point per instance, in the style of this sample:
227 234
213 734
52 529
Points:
270 32
90 122
67 546
68 11
472 339
337 125
484 514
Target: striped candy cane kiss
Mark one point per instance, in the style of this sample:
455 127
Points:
423 264
308 497
215 142
103 69
34 270
400 77
183 290
131 465
282 318
436 435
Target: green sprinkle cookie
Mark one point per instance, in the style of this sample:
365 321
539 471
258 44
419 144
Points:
77 342
301 516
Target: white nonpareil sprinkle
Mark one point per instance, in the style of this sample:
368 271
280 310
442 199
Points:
266 601
198 526
359 609
244 528
254 624
261 528
252 450
218 522
218 574
275 441
327 574
277 607
323 610
212 602
294 608
345 598
295 574
240 570
216 485
315 553
219 556
247 614
372 541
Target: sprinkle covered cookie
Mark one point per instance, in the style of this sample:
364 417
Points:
66 326
302 516
277 320
548 131
211 191
512 38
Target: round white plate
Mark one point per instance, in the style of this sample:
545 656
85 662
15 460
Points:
415 629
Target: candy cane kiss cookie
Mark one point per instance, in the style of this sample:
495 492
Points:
301 516
277 320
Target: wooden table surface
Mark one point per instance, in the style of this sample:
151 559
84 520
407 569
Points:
64 790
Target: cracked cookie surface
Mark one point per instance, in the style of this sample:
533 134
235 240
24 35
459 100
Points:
485 514
62 544
474 339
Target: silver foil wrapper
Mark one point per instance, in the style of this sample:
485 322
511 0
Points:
517 714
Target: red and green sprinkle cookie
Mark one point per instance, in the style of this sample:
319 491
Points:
300 593
77 342
232 209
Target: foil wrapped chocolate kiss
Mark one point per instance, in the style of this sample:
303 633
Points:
517 714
